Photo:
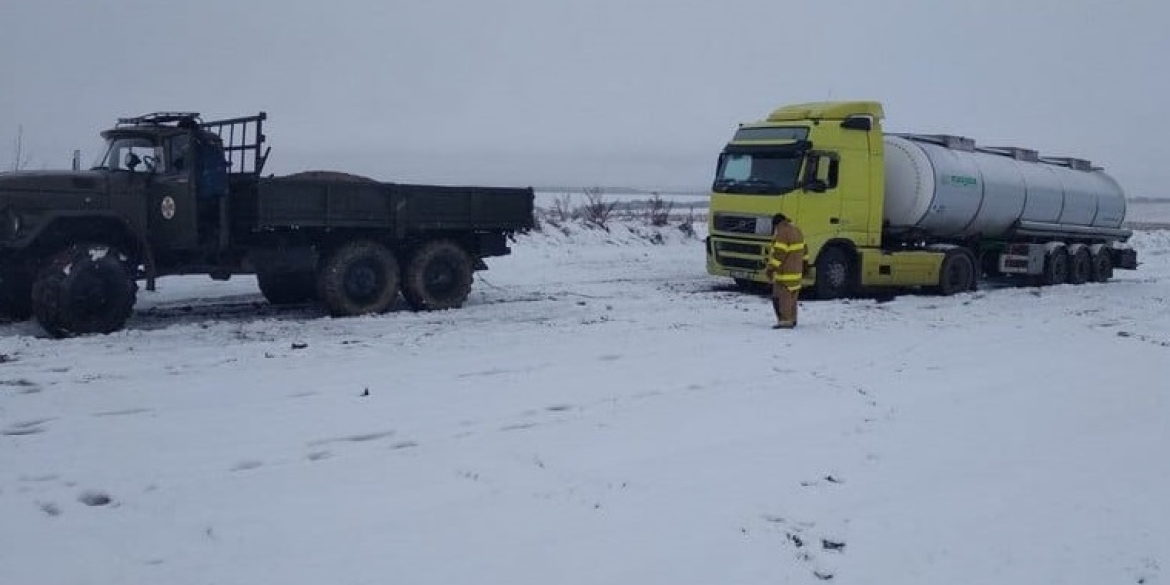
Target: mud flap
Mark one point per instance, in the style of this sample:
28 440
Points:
1124 258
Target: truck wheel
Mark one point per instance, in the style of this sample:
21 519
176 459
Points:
1055 267
834 274
358 278
1080 266
957 274
1101 268
438 276
287 288
15 294
86 288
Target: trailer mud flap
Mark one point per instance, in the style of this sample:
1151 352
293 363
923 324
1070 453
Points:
1124 258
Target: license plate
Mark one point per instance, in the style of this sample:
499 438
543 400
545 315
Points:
744 274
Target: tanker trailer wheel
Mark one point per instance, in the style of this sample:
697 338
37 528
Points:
15 293
287 288
85 288
834 274
438 276
957 274
358 278
1055 267
1101 269
1080 266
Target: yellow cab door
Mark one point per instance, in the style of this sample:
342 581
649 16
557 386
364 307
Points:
819 200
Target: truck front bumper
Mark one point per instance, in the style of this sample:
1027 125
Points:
738 258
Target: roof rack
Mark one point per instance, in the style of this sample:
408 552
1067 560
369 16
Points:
943 140
1024 154
1076 164
161 118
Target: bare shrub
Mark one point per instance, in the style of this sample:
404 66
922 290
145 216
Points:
559 215
597 211
658 211
562 210
687 225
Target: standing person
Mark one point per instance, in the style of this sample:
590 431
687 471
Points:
785 269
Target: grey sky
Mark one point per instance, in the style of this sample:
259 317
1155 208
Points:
589 92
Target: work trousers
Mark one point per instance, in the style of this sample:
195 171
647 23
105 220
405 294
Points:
784 296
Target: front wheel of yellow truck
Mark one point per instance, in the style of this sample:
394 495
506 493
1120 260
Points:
835 274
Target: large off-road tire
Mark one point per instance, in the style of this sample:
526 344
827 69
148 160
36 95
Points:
1055 267
834 274
288 288
358 278
83 289
1101 266
957 273
438 276
15 294
1080 266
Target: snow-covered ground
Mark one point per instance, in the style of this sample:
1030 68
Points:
600 412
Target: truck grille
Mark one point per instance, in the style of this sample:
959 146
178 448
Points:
739 255
739 224
738 248
741 263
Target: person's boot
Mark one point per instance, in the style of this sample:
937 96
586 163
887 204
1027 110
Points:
784 325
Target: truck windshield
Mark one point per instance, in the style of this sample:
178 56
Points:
759 173
135 154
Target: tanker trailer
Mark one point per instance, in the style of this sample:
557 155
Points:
908 210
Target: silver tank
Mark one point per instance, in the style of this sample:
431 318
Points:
947 187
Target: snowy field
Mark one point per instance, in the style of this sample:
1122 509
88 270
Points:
1149 212
601 412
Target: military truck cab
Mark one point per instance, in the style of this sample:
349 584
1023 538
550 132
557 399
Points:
179 168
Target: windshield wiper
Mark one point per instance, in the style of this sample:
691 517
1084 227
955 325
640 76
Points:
757 185
752 185
723 185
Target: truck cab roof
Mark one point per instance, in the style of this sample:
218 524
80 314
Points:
827 110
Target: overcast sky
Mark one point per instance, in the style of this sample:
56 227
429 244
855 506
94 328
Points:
588 92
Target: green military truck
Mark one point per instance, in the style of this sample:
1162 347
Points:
176 195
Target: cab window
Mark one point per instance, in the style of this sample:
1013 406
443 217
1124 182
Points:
180 149
822 171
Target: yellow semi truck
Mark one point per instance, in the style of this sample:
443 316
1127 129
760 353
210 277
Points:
928 211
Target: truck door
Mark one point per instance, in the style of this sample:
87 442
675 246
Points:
172 211
820 203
